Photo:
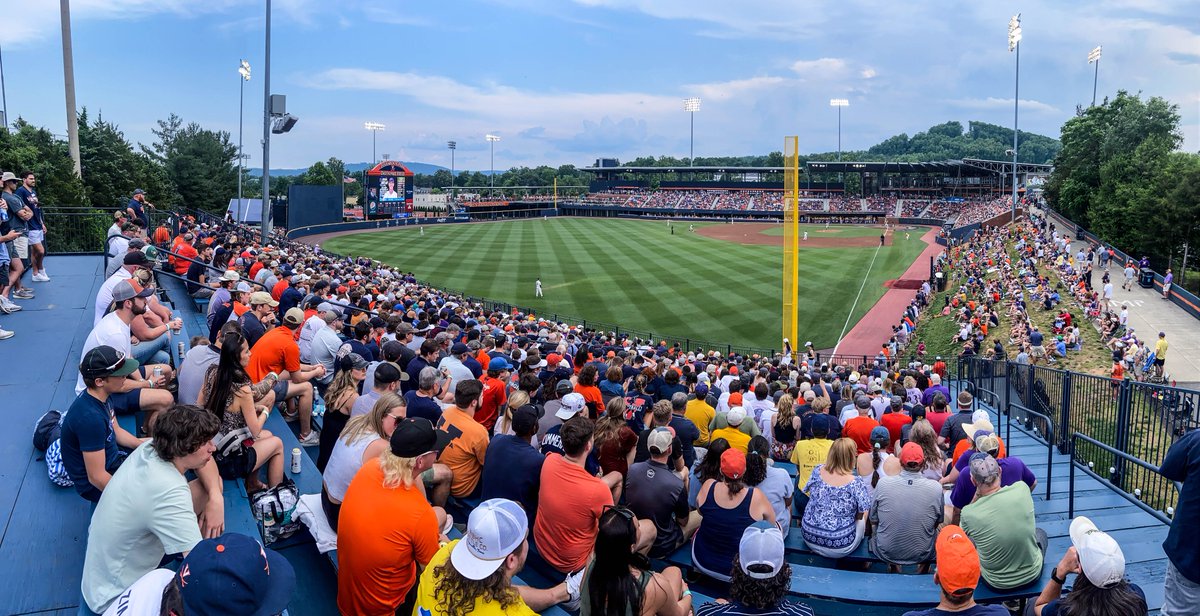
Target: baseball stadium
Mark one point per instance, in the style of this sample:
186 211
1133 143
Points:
933 376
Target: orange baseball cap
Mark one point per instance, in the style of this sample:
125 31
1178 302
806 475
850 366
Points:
957 560
735 398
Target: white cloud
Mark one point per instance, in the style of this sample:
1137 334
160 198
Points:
867 73
821 67
992 102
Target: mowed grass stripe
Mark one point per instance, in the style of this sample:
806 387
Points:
636 274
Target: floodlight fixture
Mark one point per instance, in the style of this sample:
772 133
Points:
492 139
1094 55
691 104
244 70
374 127
1014 32
839 102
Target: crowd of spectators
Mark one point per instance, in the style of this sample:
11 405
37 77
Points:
591 452
845 204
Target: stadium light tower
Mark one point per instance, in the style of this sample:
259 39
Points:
1014 45
492 139
244 71
839 103
692 105
452 145
1094 58
374 127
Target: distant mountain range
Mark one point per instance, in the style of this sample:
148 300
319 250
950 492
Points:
424 168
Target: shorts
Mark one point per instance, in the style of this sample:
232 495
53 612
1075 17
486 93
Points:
20 248
1159 361
4 271
239 465
37 237
280 389
126 402
1037 351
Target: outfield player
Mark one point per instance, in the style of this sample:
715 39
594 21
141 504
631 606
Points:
537 288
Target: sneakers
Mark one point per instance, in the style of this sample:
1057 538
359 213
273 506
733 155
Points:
41 277
5 334
8 306
23 293
312 440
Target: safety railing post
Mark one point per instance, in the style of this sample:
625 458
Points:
1121 440
1064 413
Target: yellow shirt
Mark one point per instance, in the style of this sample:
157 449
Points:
428 605
701 414
737 439
1160 348
807 455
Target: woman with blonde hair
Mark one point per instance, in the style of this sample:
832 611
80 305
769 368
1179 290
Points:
834 520
364 438
516 400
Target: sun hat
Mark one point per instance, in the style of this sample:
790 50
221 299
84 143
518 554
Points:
1100 555
495 529
234 574
761 544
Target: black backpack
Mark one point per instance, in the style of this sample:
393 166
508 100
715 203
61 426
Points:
47 429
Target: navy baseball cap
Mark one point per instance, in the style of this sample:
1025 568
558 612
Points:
234 574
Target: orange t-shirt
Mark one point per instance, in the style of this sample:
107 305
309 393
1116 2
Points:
483 358
570 502
275 351
859 429
162 235
382 534
466 451
278 289
965 444
491 401
591 393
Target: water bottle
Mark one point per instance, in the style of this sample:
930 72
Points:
295 460
319 406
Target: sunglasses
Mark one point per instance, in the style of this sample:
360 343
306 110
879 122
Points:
119 363
624 512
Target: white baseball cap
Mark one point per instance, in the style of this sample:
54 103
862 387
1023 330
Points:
1100 555
761 544
736 416
572 404
496 528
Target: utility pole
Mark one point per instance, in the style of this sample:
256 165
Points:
64 7
266 174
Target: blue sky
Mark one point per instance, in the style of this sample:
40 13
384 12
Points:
567 81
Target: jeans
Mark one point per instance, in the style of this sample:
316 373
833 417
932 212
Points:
1181 595
153 351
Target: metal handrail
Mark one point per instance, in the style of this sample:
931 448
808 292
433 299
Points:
1049 440
1120 454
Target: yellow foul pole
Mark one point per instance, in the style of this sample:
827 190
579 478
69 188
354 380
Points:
791 238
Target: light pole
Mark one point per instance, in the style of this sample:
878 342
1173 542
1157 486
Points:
452 145
839 103
691 105
1094 58
64 7
244 71
1014 45
374 127
266 142
492 139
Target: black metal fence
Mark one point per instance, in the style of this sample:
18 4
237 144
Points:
75 230
1142 420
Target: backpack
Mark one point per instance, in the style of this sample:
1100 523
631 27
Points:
47 429
275 509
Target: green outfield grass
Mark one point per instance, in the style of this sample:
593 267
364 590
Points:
635 273
832 231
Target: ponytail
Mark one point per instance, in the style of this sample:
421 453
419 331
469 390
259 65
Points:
875 460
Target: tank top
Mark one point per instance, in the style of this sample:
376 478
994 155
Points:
785 433
716 542
344 462
585 603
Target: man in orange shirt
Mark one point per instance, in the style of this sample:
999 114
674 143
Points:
277 352
859 428
465 454
162 236
386 528
185 249
570 501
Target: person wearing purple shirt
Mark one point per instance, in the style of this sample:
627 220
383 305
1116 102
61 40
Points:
1167 280
1012 470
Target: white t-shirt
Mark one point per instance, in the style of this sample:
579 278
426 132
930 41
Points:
144 598
111 331
144 514
104 295
308 332
777 487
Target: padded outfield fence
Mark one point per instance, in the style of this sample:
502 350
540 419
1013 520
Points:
1128 425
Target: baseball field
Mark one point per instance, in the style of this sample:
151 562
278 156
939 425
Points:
718 283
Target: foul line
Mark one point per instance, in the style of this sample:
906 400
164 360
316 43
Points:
856 298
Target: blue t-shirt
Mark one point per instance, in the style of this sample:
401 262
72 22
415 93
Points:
1182 546
552 443
138 210
290 298
422 406
474 366
513 471
30 199
88 427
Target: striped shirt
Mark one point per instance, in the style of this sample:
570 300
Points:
907 510
786 608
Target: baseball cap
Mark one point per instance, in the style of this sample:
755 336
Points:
911 453
414 436
138 191
262 297
1100 555
701 390
230 276
572 404
965 399
294 316
128 289
328 307
357 362
659 440
957 560
985 466
733 463
554 359
525 418
105 361
243 287
862 402
735 398
234 574
735 416
761 544
880 437
499 363
821 423
459 348
563 387
495 529
136 257
986 442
